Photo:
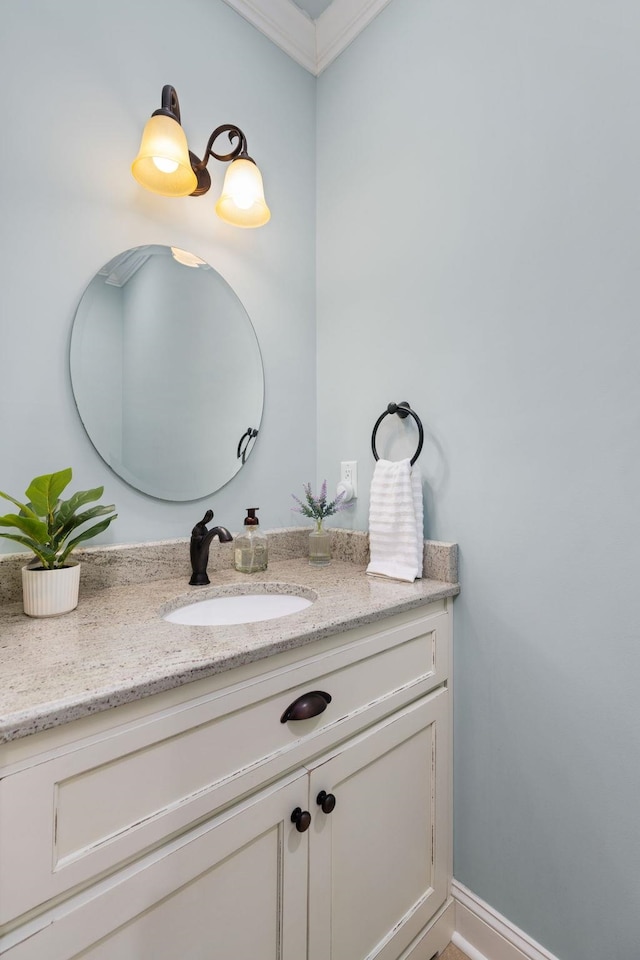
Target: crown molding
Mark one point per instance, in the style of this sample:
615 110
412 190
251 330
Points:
314 44
341 23
283 23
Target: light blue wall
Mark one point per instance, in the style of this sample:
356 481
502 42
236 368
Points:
81 79
478 250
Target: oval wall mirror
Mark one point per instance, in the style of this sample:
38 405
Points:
166 373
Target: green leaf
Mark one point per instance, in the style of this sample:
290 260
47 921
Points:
33 527
25 541
86 535
68 507
44 492
61 532
24 507
44 557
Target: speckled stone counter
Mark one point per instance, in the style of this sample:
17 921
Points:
116 647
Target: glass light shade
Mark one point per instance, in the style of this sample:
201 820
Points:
242 201
163 164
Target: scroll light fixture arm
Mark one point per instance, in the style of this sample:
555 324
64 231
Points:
239 152
171 108
260 214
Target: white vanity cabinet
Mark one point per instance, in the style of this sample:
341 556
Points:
163 828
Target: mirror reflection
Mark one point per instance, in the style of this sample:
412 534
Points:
166 372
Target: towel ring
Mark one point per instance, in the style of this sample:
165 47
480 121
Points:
403 410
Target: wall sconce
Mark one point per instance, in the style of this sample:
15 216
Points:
165 165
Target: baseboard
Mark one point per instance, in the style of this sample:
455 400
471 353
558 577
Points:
484 934
435 937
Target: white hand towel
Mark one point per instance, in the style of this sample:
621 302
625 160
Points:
395 521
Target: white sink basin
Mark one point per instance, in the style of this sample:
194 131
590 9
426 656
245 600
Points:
246 608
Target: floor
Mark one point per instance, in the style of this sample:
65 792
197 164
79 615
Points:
452 953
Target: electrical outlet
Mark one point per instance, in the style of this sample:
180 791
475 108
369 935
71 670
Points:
349 474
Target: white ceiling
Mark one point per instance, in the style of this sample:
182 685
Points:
312 32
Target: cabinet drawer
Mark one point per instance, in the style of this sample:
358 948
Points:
107 799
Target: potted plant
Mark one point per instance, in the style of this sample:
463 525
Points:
46 523
317 508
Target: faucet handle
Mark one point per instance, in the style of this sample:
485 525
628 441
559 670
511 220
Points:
201 528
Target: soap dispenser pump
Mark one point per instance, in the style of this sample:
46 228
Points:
251 552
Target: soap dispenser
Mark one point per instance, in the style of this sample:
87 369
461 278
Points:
251 551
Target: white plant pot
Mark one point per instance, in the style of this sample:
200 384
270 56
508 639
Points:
48 593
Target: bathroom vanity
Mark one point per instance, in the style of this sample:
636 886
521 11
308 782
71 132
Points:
193 811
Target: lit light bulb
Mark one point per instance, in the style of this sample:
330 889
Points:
244 188
165 165
244 197
242 201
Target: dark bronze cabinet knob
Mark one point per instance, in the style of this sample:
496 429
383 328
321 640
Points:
308 705
326 801
301 818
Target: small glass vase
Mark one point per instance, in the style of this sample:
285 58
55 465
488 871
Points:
319 547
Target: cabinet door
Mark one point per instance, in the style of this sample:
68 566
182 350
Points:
233 888
379 860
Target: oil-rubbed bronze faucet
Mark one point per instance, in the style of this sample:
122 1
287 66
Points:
199 551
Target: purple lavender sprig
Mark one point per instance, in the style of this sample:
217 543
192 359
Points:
317 508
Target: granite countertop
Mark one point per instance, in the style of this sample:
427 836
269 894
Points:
116 648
